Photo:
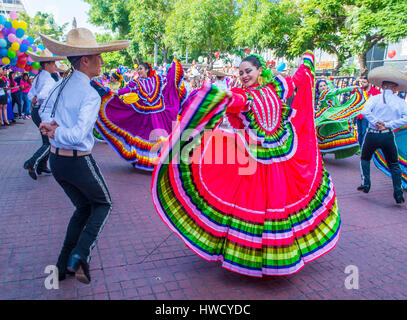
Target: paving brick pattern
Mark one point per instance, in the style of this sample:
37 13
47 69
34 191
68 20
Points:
138 257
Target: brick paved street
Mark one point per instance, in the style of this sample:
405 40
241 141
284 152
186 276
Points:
138 257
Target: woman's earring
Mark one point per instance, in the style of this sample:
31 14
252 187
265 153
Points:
260 80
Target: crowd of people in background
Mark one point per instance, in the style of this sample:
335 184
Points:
14 103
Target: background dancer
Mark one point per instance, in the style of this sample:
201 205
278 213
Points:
136 124
385 113
361 123
41 87
334 122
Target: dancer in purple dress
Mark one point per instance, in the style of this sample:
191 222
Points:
136 123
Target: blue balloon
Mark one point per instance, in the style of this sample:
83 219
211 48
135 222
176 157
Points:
281 67
3 43
20 33
3 52
8 24
23 47
2 19
30 40
41 47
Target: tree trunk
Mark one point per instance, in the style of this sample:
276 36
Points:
210 62
165 55
363 65
337 68
155 53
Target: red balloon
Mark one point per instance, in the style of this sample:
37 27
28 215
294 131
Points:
391 54
27 68
22 60
217 54
247 50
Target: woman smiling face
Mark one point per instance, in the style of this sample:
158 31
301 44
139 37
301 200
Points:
142 71
322 86
249 74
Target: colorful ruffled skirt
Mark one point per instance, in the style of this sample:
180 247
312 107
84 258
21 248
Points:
256 216
401 142
136 131
335 127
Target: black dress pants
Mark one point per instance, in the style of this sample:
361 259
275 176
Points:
387 143
15 98
40 157
81 180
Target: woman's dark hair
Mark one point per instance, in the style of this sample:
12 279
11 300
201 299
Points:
253 60
25 75
10 74
259 62
149 68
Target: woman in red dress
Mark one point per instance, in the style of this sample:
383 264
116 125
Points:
255 195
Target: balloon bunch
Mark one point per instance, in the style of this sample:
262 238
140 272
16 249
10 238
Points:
14 45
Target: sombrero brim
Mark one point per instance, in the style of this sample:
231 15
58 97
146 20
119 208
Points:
61 48
380 74
62 70
219 73
38 58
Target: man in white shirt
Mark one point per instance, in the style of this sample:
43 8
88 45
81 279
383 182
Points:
38 93
68 118
385 112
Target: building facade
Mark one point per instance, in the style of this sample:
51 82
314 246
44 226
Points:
7 6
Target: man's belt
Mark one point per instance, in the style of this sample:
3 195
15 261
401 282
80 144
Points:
379 131
69 152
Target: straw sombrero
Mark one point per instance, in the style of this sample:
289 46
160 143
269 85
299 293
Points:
219 73
44 56
62 67
380 74
82 42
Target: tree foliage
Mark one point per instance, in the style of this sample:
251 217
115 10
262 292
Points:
204 25
289 27
42 23
267 25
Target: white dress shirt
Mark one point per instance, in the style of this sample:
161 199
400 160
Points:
41 87
221 84
75 113
393 113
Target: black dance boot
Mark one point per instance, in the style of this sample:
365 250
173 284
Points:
395 171
365 167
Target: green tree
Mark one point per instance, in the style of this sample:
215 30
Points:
148 25
42 23
205 25
322 27
113 59
114 16
371 22
264 24
349 27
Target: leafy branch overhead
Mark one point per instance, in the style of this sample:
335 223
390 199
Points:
160 29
